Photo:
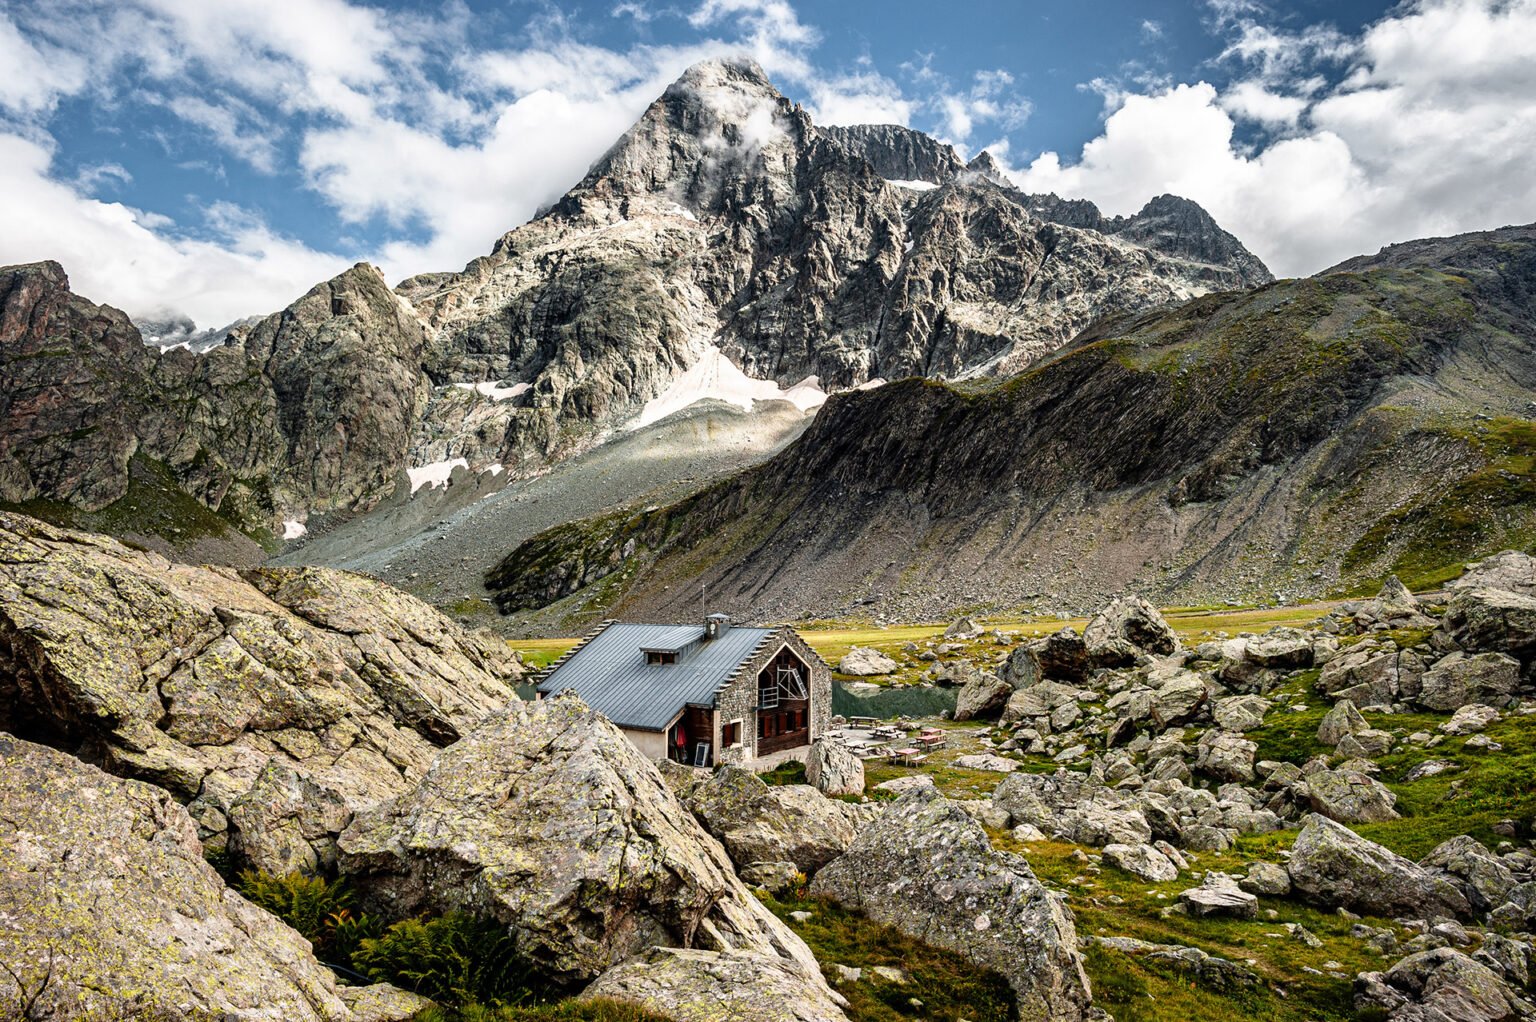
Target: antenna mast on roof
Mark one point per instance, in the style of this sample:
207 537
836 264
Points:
703 604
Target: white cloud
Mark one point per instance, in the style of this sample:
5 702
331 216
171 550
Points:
865 98
1255 102
1432 132
117 256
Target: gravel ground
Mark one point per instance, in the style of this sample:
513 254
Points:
440 543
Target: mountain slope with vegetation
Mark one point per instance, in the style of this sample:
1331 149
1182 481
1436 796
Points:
1301 438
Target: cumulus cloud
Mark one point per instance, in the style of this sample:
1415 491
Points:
1430 130
391 118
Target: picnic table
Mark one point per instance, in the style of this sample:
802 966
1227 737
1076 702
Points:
931 741
906 757
863 722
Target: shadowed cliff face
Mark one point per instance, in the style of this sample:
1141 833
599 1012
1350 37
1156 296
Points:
310 409
1281 438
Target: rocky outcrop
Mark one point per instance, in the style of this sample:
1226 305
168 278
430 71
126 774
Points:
547 819
1440 985
928 869
1510 570
1333 866
1128 621
108 910
779 823
309 410
690 985
273 703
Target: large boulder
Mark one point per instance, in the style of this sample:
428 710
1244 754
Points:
865 662
1142 861
1128 620
1440 985
983 697
689 985
547 819
1347 796
197 679
1510 570
832 769
1493 621
1458 679
108 910
1334 867
963 628
1343 719
1281 649
758 822
928 869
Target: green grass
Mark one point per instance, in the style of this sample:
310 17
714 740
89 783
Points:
948 986
601 1009
1489 509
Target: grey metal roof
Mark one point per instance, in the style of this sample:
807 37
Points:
610 674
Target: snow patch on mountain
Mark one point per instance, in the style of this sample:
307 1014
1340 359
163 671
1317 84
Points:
716 377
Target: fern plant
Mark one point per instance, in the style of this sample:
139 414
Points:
454 959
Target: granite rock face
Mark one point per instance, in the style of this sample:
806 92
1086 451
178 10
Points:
108 910
273 703
928 869
547 819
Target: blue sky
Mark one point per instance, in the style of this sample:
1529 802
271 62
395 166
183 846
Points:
217 157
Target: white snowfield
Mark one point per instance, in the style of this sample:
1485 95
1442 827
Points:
916 186
715 376
435 474
495 391
294 530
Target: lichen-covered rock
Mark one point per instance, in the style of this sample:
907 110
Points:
1458 679
1334 867
1347 796
1511 570
196 679
1226 756
108 910
928 869
1240 713
547 819
1486 880
832 769
1440 985
1343 719
1073 808
1282 649
690 985
1142 861
759 822
1129 619
1369 675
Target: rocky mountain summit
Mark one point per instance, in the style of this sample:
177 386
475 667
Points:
1284 442
723 233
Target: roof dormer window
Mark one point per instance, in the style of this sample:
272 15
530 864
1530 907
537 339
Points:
660 656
